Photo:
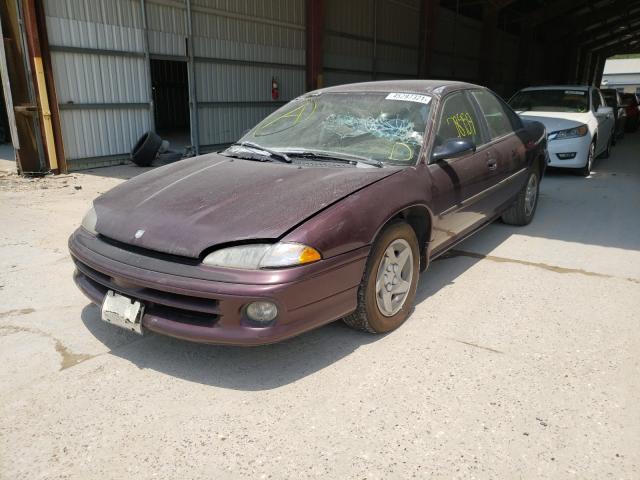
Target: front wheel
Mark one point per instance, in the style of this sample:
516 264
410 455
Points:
389 283
522 211
586 170
607 152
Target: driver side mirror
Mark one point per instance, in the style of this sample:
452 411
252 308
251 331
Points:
454 148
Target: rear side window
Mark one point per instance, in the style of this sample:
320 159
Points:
458 120
495 113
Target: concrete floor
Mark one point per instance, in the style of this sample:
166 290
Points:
521 360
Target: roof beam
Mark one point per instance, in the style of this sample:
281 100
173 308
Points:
614 10
555 10
631 25
630 39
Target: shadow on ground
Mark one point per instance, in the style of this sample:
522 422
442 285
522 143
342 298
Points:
255 368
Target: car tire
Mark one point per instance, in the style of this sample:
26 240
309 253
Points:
607 152
146 149
586 170
380 309
524 208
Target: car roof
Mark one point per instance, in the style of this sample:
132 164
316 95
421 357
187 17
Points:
432 87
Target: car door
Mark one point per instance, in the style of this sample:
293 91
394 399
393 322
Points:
505 131
458 183
604 120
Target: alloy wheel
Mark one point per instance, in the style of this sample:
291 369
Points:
531 195
394 276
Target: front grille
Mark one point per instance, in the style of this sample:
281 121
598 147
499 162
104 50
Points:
182 308
145 252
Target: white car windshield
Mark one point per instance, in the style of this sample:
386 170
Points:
384 127
560 100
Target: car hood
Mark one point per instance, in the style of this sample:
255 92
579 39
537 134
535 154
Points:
189 206
554 121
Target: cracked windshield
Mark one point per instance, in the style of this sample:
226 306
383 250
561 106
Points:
384 127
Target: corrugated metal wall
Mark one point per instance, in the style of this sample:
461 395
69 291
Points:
101 77
239 46
371 40
102 72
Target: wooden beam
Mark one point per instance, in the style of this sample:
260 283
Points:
51 88
40 84
428 16
315 37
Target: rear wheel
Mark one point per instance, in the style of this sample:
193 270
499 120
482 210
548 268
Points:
522 211
389 283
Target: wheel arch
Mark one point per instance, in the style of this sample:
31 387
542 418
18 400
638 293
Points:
420 218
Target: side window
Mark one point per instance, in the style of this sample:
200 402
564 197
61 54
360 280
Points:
458 120
496 115
595 100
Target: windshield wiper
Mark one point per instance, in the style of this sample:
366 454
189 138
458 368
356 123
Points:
336 157
273 153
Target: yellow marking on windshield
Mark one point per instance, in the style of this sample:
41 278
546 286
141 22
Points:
297 113
403 145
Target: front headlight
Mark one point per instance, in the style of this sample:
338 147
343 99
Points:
263 256
575 132
89 221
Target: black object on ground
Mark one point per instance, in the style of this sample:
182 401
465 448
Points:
146 149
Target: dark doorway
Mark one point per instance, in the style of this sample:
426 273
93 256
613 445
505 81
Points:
171 101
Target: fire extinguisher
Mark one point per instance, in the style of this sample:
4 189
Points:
275 89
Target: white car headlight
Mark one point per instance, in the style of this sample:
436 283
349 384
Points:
89 221
575 132
263 256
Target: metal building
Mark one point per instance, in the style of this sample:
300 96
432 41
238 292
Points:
97 74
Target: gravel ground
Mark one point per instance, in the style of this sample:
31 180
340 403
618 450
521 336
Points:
521 360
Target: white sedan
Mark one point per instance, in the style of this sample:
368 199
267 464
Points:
579 123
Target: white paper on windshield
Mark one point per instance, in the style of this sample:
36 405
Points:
409 97
575 92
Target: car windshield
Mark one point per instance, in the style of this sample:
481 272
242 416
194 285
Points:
383 127
560 100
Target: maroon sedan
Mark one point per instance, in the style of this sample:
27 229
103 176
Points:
328 209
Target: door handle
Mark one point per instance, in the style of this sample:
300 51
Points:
492 163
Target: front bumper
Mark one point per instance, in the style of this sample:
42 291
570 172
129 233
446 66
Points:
578 145
206 305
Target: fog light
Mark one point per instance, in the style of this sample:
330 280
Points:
566 156
262 312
